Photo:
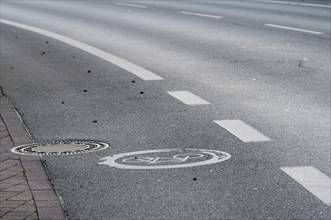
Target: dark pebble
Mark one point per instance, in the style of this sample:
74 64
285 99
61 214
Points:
85 90
133 81
95 121
141 92
194 179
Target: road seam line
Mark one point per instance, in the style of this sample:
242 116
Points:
297 4
188 98
242 131
120 62
293 29
316 182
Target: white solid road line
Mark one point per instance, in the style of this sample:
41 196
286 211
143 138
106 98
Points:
198 14
242 131
188 98
131 5
313 180
293 29
297 3
124 64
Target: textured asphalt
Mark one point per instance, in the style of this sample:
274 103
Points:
277 81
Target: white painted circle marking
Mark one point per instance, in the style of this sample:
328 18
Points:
165 158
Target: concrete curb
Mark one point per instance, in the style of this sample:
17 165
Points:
23 179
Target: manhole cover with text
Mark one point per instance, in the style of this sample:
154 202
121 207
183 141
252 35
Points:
60 147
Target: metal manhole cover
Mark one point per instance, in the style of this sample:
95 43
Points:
60 147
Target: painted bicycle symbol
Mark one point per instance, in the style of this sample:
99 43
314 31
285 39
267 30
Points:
165 159
152 160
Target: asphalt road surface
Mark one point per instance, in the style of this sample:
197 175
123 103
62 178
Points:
246 79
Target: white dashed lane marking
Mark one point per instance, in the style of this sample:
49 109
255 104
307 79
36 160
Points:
124 64
242 131
313 180
202 15
131 5
188 98
293 29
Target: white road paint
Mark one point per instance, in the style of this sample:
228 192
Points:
202 15
131 5
313 180
124 64
242 131
160 159
293 29
297 3
188 98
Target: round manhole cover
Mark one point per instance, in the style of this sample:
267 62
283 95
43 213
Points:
60 147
